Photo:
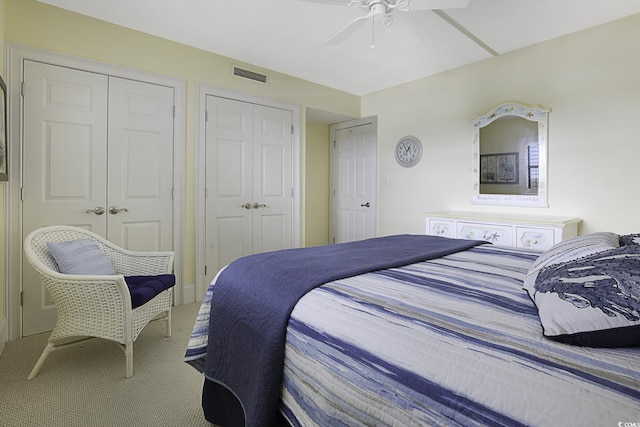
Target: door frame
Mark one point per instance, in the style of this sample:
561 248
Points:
16 55
205 90
373 121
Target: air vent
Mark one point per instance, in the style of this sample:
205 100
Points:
251 75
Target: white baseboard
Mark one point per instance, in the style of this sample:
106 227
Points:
189 293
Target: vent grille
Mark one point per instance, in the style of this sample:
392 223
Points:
251 75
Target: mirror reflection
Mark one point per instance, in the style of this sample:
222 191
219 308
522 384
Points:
509 155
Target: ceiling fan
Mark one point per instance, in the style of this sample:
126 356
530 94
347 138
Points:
384 11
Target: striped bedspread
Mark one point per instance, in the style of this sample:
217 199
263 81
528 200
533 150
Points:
451 341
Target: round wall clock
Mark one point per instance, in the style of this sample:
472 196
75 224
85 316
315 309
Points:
408 151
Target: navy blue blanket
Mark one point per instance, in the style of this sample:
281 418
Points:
250 307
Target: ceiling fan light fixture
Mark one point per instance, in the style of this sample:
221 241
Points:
378 9
403 5
383 12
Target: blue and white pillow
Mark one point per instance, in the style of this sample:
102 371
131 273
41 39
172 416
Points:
593 300
569 250
630 239
81 256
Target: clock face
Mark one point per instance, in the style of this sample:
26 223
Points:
408 151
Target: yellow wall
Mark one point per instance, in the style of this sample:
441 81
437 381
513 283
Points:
589 79
34 24
317 185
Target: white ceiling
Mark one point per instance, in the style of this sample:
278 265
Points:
288 36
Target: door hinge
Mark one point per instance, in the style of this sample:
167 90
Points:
334 143
291 129
334 240
173 194
22 89
205 270
174 112
206 116
21 298
206 193
22 194
292 192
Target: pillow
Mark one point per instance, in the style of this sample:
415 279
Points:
80 256
592 301
630 239
568 250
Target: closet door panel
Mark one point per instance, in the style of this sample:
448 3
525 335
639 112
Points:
64 168
228 179
272 179
140 199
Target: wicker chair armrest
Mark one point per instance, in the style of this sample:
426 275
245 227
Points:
137 263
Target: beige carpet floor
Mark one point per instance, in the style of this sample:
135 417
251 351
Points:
85 385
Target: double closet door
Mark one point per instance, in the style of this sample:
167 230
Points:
98 154
249 181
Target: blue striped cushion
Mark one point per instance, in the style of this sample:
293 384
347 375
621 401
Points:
80 256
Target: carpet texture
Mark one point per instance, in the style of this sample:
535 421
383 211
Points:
85 385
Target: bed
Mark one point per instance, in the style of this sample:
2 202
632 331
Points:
471 335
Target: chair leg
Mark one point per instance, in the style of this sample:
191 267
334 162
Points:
128 352
34 372
168 320
51 347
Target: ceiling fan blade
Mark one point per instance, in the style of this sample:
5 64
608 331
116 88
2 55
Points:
403 35
349 29
437 4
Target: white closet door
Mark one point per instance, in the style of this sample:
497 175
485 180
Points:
272 179
140 165
228 176
64 170
91 143
249 205
354 180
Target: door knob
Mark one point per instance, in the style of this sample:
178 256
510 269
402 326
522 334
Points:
114 210
366 205
247 205
98 211
257 205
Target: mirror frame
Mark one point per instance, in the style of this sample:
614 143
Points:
532 113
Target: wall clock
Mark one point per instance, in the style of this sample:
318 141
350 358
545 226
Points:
408 151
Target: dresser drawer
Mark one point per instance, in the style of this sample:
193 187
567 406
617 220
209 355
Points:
522 231
494 233
534 238
439 227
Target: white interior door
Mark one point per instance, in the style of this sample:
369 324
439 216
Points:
228 175
92 142
249 181
64 171
272 179
140 165
353 181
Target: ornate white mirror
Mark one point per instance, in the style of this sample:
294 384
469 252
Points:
510 156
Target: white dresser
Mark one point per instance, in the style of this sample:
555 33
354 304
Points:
522 231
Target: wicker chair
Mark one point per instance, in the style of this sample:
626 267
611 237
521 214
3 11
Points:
97 306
